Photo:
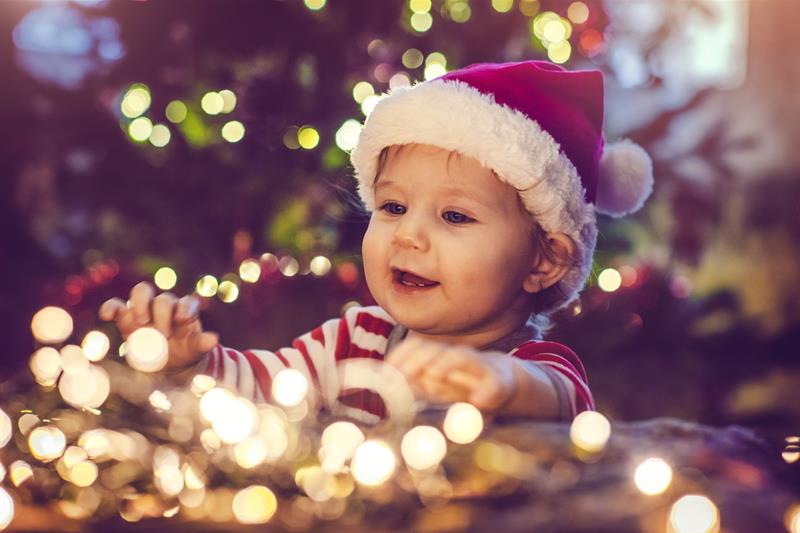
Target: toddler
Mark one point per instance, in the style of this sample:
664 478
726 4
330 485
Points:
483 186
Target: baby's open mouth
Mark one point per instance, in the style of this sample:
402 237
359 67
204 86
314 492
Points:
409 279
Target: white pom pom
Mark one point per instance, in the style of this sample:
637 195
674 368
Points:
626 179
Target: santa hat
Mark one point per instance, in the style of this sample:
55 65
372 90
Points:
538 126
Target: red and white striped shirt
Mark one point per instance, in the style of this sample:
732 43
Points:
363 332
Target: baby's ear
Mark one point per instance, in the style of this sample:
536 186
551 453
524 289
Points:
550 264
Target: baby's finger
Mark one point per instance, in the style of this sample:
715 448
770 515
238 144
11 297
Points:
163 310
109 309
141 296
187 308
419 357
447 361
464 380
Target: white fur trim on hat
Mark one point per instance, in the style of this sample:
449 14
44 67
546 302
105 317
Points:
455 116
626 179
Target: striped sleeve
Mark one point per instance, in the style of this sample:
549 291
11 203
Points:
314 354
564 365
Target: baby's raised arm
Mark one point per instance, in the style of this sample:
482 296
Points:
177 319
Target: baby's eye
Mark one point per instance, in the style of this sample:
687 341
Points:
457 218
393 208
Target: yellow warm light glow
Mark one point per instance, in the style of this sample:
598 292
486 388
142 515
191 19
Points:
373 463
160 401
541 20
421 22
176 111
250 452
347 134
653 476
228 291
412 58
554 31
463 423
338 444
791 453
250 270
792 519
320 266
95 345
362 90
460 11
315 5
6 428
609 280
529 7
233 131
192 479
74 455
6 508
147 350
51 325
590 431
168 479
433 71
288 266
136 100
420 6
47 443
256 504
45 364
165 278
202 384
559 53
232 418
140 129
578 12
27 422
73 360
289 387
399 79
212 103
83 474
228 100
160 136
308 137
423 447
694 513
207 286
502 6
20 472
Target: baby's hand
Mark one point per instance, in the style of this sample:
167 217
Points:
177 319
445 373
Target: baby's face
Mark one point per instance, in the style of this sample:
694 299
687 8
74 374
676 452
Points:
449 220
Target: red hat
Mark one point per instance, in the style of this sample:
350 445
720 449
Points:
537 125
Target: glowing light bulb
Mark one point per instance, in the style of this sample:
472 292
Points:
147 350
47 443
347 134
136 100
250 452
165 278
423 447
250 270
228 291
320 266
590 431
653 476
140 129
463 423
233 131
373 463
95 345
207 286
232 418
421 22
289 387
254 505
308 137
694 513
212 103
45 364
83 474
51 325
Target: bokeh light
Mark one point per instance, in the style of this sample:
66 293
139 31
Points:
590 431
140 129
232 418
653 476
51 325
5 428
791 518
578 12
791 453
47 443
559 53
529 8
233 131
165 278
84 473
207 286
136 100
338 444
251 452
6 508
421 22
412 58
45 364
95 345
502 6
362 90
250 270
320 266
147 350
460 11
307 137
369 104
176 111
373 463
289 387
609 280
288 266
347 134
694 513
423 447
463 423
160 136
228 100
255 504
212 103
19 471
228 291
